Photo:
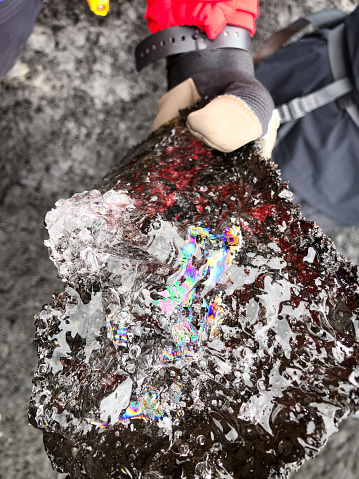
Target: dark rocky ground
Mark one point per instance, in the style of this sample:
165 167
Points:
69 110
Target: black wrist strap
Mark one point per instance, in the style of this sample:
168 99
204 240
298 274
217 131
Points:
177 40
190 65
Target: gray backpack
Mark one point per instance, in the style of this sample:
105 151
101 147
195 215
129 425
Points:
315 86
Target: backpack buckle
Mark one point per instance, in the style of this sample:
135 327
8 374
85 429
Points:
293 110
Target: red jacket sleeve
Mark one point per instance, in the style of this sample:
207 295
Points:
208 15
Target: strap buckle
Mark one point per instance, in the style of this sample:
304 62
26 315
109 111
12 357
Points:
292 110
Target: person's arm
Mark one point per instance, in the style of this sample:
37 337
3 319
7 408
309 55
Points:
242 110
210 16
17 20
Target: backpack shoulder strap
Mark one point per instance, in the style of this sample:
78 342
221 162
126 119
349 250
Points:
336 48
340 87
300 106
290 113
322 19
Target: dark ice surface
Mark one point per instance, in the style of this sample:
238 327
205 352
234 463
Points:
205 331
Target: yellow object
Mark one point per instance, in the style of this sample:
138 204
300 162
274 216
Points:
100 7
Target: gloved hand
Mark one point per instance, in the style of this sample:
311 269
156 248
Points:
242 110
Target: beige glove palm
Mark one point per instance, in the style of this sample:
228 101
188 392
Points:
242 112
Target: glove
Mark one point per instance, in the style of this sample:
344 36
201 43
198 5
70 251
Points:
242 110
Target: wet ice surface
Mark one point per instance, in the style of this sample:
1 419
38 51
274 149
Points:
205 330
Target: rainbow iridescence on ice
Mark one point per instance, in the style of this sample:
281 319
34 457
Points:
218 251
147 407
117 328
188 343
